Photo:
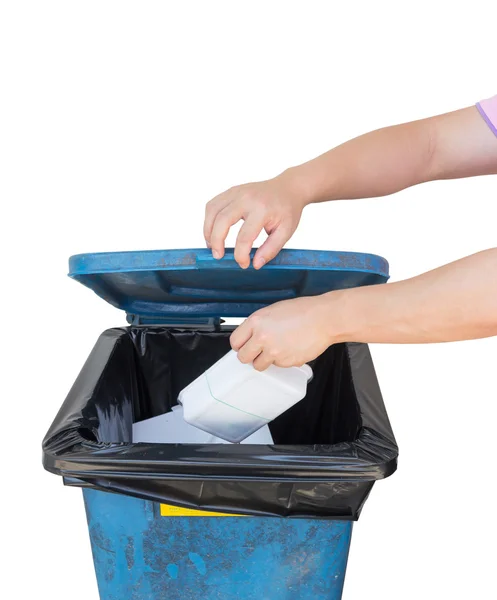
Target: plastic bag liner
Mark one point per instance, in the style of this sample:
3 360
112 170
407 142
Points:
329 448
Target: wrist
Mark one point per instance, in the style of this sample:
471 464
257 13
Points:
300 184
345 318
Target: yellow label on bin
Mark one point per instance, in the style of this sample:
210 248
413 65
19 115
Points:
167 510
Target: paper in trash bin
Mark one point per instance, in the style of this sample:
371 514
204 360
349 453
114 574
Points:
171 428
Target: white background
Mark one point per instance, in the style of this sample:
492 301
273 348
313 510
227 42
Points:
119 120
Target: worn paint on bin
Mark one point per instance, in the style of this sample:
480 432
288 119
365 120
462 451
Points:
141 555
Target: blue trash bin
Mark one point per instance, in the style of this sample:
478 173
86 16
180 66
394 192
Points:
140 554
184 522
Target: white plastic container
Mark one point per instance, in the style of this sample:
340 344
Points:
171 428
232 400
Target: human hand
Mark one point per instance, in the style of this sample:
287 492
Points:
274 205
286 334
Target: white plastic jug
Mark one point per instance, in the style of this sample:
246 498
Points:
232 400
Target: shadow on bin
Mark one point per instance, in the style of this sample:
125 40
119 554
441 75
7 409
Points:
186 521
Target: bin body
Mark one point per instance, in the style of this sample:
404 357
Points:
141 555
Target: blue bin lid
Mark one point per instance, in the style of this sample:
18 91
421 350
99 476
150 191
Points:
188 285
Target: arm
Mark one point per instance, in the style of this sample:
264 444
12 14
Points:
455 302
450 146
458 144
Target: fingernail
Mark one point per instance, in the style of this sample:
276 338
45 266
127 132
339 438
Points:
208 244
216 254
259 263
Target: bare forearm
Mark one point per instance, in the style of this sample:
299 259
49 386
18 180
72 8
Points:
455 302
388 160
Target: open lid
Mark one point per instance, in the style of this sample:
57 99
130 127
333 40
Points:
185 286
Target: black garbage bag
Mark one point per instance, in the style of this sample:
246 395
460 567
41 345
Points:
328 450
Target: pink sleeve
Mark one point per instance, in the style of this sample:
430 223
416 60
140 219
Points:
488 110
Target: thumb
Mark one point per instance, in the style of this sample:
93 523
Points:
270 248
241 335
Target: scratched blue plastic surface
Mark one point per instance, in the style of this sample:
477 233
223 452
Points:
184 284
140 555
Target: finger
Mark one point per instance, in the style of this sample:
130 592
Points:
270 248
246 238
222 224
241 335
212 209
263 361
249 351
